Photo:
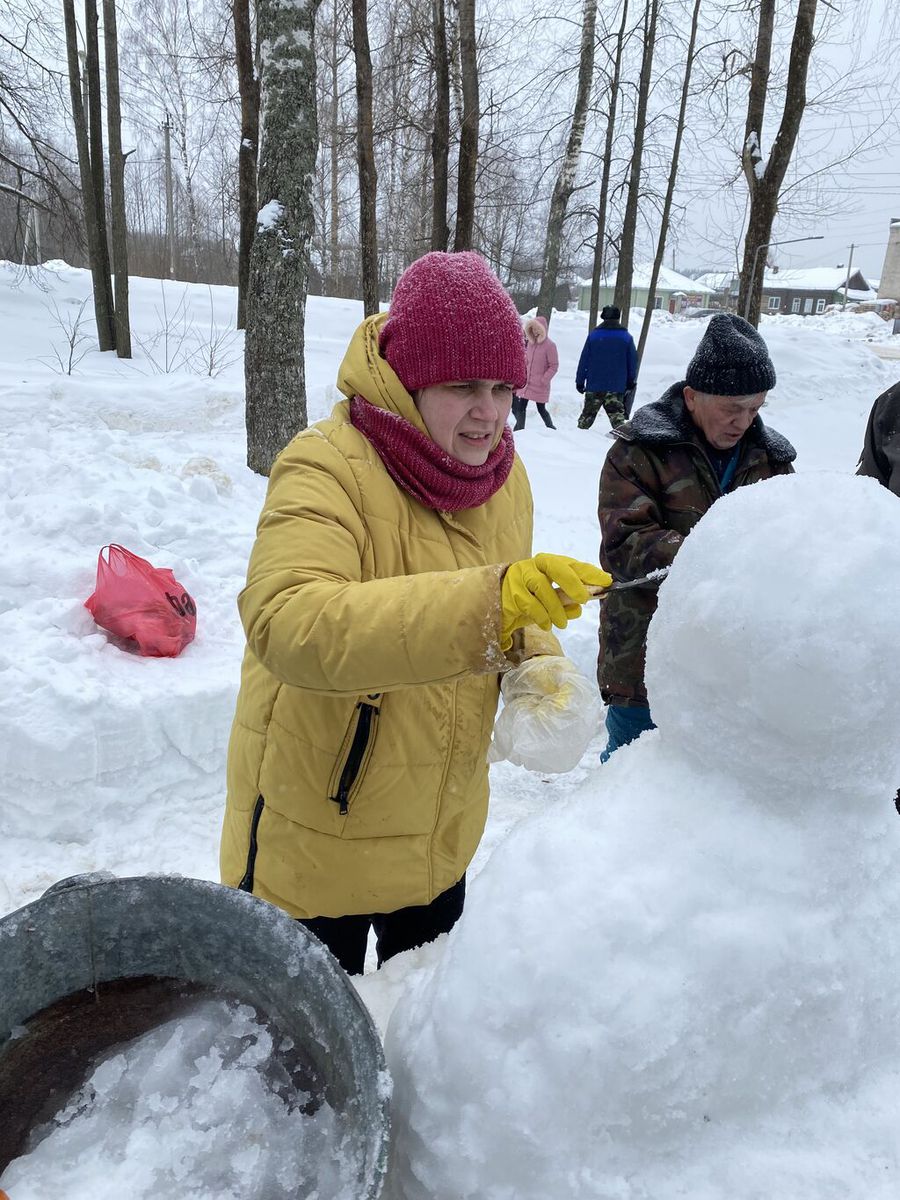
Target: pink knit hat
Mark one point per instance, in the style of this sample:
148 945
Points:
451 319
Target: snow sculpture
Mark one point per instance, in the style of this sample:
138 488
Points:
773 654
684 982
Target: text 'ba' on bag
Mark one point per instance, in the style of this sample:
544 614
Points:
146 604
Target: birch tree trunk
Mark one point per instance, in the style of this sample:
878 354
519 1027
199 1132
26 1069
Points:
248 89
116 179
440 135
629 221
670 187
606 171
565 180
766 176
468 137
279 257
365 157
97 253
182 120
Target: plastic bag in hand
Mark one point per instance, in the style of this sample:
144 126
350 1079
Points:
549 716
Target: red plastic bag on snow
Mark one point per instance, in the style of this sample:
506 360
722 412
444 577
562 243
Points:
133 599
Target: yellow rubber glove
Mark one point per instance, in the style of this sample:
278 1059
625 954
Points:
528 595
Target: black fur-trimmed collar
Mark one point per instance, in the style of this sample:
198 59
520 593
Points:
667 421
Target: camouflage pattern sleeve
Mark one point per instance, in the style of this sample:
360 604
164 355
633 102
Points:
880 456
635 540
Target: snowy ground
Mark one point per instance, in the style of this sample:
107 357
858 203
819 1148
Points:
113 761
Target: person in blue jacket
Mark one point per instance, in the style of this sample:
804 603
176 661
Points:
607 371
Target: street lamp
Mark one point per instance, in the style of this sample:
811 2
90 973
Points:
765 245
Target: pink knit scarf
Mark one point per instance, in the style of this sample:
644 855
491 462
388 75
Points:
428 473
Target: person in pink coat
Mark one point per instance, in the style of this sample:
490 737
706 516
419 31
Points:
543 363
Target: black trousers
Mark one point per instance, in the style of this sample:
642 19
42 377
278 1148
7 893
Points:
520 408
405 929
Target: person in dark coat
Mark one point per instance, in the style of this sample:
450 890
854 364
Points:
880 456
607 371
666 468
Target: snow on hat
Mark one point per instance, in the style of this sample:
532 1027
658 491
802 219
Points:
731 360
450 318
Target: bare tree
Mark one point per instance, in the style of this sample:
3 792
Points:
170 77
334 241
629 221
279 259
36 165
403 121
365 157
92 202
116 179
95 143
248 90
468 138
440 135
606 170
565 180
673 175
765 176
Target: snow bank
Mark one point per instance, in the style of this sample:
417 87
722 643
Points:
856 326
683 982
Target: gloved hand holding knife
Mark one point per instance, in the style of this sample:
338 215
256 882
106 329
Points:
652 579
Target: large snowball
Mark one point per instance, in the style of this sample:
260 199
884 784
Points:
775 651
662 990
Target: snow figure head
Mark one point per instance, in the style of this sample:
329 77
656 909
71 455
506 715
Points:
774 655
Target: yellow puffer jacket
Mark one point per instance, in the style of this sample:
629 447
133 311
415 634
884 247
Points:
357 776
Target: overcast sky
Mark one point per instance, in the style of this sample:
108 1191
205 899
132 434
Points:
861 50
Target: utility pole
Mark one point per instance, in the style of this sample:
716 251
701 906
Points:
170 208
849 273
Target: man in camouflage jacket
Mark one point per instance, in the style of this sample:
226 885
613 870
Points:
668 466
880 456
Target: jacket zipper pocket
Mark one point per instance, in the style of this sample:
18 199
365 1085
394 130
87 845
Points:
363 734
246 884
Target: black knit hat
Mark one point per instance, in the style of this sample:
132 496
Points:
610 313
731 360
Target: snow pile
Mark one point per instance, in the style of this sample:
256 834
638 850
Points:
108 759
191 1108
683 982
862 326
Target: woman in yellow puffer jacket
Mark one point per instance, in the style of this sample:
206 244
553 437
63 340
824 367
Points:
380 611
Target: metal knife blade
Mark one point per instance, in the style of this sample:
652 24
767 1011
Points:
651 579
